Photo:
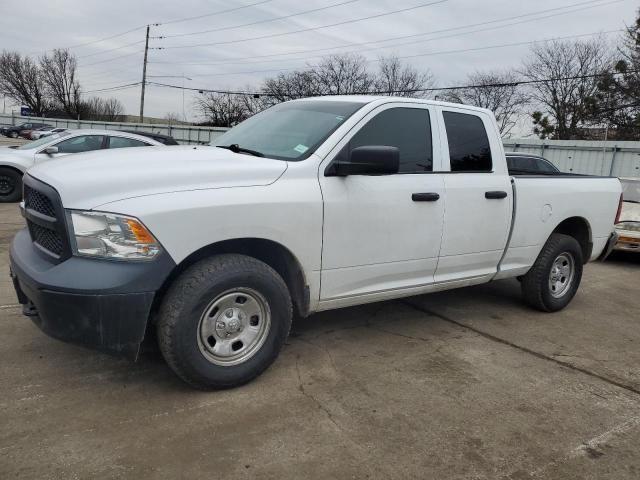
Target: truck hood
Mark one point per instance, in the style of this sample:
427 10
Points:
89 180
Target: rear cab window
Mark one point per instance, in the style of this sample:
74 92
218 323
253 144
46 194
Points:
469 147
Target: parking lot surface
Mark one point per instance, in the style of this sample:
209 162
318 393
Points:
462 384
6 141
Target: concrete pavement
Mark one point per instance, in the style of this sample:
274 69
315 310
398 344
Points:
463 384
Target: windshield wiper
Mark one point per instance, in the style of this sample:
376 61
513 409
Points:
235 148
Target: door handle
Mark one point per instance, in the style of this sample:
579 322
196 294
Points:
425 197
497 194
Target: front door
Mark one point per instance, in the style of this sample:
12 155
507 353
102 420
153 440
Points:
382 233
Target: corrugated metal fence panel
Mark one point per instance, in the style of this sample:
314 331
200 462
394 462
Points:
620 159
592 157
182 133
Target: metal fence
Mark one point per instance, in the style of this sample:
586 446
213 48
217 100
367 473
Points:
592 157
182 133
611 158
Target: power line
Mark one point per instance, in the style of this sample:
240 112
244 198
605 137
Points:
442 52
219 12
112 49
415 90
105 38
109 60
274 35
259 21
587 4
114 88
141 27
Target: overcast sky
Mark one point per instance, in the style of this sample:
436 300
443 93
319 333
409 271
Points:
242 63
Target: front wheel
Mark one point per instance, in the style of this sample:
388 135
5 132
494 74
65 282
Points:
13 134
555 276
224 321
10 185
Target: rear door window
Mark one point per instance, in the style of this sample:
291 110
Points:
122 142
469 149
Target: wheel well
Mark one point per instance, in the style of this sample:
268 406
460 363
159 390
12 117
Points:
578 228
10 167
272 253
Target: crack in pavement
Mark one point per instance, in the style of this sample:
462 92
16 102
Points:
542 356
312 397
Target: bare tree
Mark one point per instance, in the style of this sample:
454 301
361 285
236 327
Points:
173 118
284 87
222 109
343 75
334 75
400 80
566 78
616 106
96 108
497 91
59 75
21 80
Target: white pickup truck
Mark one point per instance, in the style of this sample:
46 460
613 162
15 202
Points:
310 205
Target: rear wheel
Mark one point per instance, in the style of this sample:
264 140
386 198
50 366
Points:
10 185
555 276
13 134
224 321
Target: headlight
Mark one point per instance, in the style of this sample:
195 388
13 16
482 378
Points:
108 235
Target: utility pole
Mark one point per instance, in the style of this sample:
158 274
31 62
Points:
144 76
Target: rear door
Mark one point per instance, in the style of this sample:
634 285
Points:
479 196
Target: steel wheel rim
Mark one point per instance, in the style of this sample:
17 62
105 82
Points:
561 274
7 185
234 326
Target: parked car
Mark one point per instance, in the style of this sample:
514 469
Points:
628 224
311 205
15 131
524 163
26 134
164 139
15 161
45 132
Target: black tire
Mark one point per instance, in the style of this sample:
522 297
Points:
13 134
536 287
10 185
191 295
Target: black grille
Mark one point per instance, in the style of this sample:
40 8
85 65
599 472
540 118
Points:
45 219
38 202
47 239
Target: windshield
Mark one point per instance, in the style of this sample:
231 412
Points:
42 141
289 131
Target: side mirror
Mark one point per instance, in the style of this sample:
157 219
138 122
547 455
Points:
368 160
51 150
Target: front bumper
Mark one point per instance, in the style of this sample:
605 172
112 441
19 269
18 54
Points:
97 303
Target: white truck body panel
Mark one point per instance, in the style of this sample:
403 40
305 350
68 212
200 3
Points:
357 238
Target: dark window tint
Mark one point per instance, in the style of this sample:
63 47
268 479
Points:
83 143
408 129
519 163
121 142
469 149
